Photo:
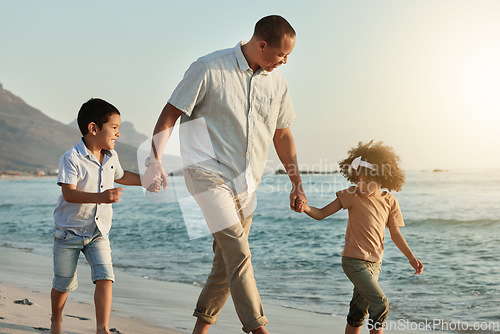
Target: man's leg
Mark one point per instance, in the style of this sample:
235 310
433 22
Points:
221 210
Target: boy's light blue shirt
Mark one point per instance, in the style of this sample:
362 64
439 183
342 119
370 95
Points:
80 167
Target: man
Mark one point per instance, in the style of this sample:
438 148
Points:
232 105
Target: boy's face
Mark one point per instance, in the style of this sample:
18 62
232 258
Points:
105 138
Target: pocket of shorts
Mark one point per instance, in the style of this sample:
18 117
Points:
354 265
60 234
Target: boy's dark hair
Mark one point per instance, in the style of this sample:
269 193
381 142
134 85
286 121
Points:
384 160
272 28
97 111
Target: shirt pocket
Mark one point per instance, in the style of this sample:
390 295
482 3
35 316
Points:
266 109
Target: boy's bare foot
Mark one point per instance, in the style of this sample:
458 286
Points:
260 330
56 326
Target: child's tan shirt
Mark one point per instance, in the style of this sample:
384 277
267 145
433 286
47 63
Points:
368 218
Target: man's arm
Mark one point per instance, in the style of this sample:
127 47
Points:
155 176
73 195
285 148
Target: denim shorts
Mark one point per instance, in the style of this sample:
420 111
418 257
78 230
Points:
67 248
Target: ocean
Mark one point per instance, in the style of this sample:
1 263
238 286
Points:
452 225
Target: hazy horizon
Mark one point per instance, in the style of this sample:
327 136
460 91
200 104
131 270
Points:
421 76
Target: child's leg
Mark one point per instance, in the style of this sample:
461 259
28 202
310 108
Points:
102 298
58 300
367 292
66 251
98 254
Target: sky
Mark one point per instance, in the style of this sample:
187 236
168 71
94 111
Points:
421 76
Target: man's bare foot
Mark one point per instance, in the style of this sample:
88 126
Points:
55 326
103 331
260 330
201 327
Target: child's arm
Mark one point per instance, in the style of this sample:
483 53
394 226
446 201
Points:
130 179
326 211
73 195
401 243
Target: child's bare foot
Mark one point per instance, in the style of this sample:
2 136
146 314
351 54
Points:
103 331
260 330
56 326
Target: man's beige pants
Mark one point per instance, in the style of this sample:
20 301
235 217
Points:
229 216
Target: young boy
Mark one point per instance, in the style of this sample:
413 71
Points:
87 173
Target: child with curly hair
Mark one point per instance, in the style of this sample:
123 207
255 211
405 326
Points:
371 167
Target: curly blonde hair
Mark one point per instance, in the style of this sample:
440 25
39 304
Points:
386 173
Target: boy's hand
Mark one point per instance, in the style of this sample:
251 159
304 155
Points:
110 195
417 265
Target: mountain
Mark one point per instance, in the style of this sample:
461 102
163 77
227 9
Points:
31 141
128 134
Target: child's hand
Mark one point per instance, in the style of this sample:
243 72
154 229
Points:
300 205
417 265
110 195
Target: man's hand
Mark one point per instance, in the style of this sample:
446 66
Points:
110 195
154 178
298 199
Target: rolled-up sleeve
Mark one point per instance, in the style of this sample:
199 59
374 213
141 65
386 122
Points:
192 88
68 170
345 196
286 116
395 216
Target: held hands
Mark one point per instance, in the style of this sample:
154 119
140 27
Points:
298 199
110 195
417 265
301 205
154 178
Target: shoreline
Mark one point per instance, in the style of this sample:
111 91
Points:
140 305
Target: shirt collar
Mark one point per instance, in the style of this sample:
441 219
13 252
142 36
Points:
84 151
242 62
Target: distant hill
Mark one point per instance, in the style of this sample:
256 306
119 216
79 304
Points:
31 141
128 134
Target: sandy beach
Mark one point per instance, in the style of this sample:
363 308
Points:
140 305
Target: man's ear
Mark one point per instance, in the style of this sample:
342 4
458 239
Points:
262 45
92 127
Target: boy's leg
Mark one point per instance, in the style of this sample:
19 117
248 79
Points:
67 248
102 299
97 251
58 300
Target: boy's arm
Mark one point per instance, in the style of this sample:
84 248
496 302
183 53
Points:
324 212
73 195
401 243
130 179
